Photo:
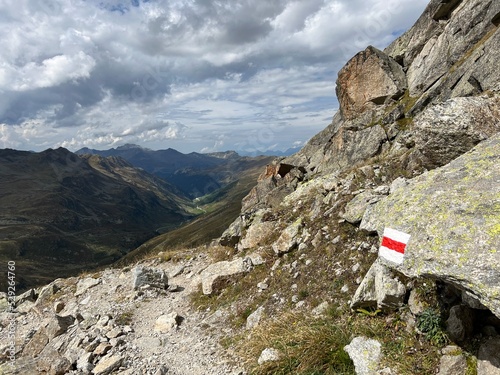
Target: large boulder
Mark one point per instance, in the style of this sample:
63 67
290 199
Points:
258 231
370 78
452 214
149 277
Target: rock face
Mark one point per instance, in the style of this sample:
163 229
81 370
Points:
447 130
450 52
370 78
452 215
439 41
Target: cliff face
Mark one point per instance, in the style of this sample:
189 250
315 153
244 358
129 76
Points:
451 51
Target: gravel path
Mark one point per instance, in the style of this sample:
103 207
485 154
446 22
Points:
109 304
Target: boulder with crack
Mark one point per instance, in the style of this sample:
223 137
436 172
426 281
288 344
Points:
217 276
380 289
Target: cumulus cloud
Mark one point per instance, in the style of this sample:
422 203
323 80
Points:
190 74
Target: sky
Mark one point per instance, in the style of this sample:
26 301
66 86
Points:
194 75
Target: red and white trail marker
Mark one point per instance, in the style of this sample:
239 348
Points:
393 245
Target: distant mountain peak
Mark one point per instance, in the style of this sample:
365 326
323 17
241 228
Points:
128 146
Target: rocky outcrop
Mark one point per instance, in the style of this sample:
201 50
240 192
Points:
447 40
277 181
450 52
369 79
452 216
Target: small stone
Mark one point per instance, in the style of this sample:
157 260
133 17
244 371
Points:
268 355
85 301
172 288
115 332
320 309
108 364
256 259
308 262
103 321
262 286
177 271
102 349
84 363
452 364
366 355
302 247
149 277
276 264
345 289
85 284
254 318
58 306
117 341
162 370
166 323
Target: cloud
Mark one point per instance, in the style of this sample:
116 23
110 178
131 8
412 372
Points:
197 74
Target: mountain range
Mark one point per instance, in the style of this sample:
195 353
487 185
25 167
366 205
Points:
63 212
193 174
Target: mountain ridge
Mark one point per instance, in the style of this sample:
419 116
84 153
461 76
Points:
193 174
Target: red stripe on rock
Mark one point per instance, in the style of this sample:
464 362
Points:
393 245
